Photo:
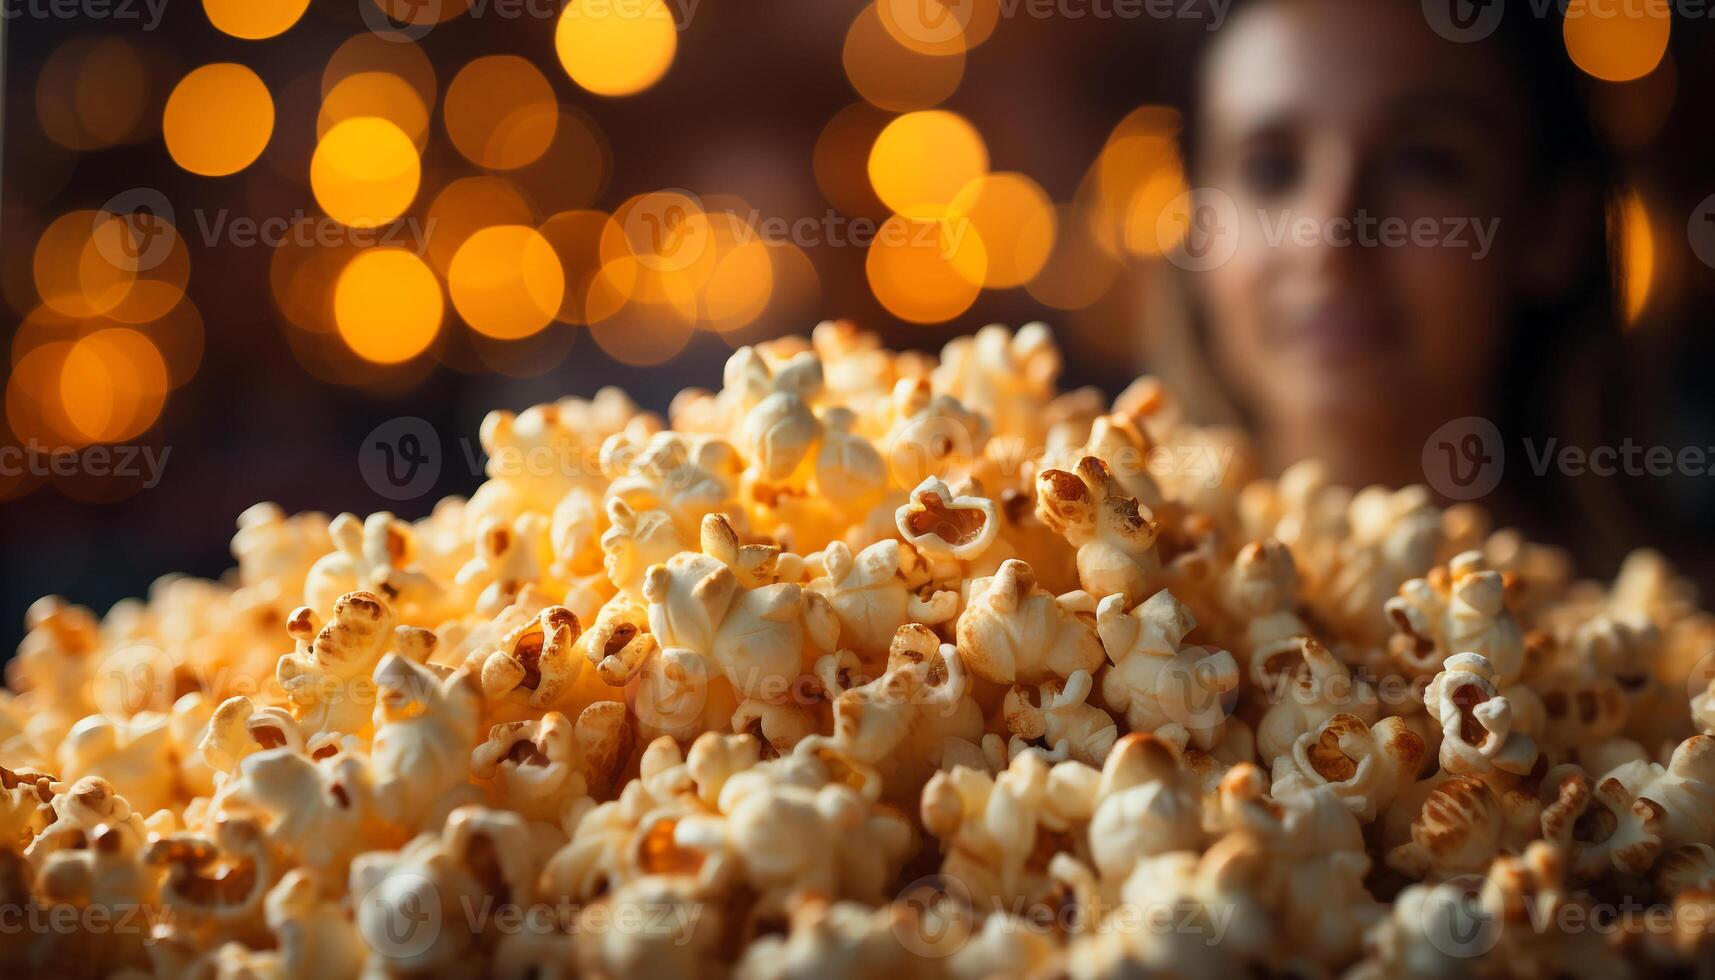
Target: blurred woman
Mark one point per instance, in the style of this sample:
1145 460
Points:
1418 236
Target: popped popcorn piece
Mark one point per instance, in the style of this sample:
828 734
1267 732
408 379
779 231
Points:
1306 685
425 729
327 676
1456 610
998 832
912 719
1475 720
1364 766
1013 632
1177 692
537 456
375 555
829 939
1114 535
1146 805
541 768
869 594
1463 826
685 478
752 635
943 524
779 429
416 901
1635 813
214 888
1071 727
1260 591
508 557
136 757
537 662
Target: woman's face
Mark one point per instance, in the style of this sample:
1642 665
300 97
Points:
1370 164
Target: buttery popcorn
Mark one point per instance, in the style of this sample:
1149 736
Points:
869 664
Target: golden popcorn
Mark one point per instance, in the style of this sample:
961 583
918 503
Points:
869 664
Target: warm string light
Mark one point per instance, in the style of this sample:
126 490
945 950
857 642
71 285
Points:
520 240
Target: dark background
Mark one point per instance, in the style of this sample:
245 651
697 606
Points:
751 87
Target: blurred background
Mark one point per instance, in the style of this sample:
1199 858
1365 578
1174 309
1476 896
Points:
237 236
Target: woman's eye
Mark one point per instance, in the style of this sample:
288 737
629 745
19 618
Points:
1269 173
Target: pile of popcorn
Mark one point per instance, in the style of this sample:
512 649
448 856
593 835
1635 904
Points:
869 664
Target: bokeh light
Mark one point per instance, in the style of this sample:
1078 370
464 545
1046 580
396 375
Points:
218 119
616 48
575 236
1637 255
1015 220
72 275
34 406
388 305
500 112
893 76
506 281
94 93
375 93
112 385
939 26
926 271
922 160
738 287
467 205
576 168
365 172
254 20
637 334
1078 271
841 159
1617 40
390 56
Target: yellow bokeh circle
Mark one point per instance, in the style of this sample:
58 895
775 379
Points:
254 20
506 281
1618 40
500 112
387 305
218 119
1015 219
922 160
616 47
365 172
926 271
